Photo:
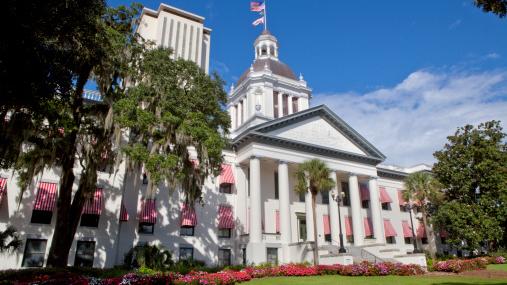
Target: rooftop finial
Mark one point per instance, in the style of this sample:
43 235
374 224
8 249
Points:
301 78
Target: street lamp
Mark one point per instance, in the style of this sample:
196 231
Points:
339 199
411 206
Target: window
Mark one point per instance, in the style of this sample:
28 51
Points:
276 185
224 233
386 206
301 197
186 253
264 50
243 255
345 190
85 251
408 240
327 237
89 220
248 181
275 104
365 204
390 240
350 239
41 217
224 257
272 255
226 188
325 197
403 208
424 240
295 105
35 250
285 99
186 231
145 178
146 228
302 228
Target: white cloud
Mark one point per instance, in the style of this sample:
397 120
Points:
411 120
454 24
492 55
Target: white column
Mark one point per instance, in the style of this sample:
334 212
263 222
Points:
309 216
241 206
376 215
284 200
280 104
240 108
255 200
355 207
233 117
289 104
333 212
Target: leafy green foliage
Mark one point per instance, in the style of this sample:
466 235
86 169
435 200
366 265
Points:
9 239
472 168
173 107
150 257
498 7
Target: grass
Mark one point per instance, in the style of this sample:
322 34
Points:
384 280
502 267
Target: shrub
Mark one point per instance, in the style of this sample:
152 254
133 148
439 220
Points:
150 256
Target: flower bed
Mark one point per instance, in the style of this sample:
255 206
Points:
460 265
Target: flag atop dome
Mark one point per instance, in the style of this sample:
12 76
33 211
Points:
259 6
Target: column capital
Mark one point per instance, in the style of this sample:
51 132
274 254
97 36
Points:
282 161
352 174
254 157
373 177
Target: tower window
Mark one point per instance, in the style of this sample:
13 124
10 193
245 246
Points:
272 50
275 104
285 99
264 50
295 105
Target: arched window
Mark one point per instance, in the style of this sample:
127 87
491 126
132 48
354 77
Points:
264 50
272 50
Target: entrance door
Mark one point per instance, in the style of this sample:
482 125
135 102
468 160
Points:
302 228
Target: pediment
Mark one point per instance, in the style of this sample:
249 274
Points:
317 131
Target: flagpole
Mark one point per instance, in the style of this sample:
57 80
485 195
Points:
265 16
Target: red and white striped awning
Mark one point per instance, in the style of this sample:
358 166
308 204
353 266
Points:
364 192
188 216
407 229
401 200
368 227
277 221
225 217
148 212
93 206
384 196
327 227
46 197
124 215
3 188
389 229
421 231
226 176
348 226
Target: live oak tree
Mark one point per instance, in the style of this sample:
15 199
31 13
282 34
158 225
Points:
498 7
423 188
313 176
68 130
173 108
472 168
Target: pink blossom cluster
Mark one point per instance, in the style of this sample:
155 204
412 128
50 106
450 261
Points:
460 265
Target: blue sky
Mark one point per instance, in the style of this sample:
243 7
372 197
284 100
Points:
405 74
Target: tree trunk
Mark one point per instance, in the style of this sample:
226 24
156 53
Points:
432 246
314 217
65 216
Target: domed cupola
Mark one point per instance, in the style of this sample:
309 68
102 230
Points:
266 46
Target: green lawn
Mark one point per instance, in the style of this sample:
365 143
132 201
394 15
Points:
502 267
385 280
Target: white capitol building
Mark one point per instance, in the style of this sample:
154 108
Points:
251 213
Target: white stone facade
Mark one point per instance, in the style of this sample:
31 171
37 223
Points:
269 138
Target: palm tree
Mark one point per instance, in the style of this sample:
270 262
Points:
426 190
313 175
9 239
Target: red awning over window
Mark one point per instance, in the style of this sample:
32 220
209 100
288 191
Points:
225 217
368 227
148 212
93 206
421 231
364 192
407 229
124 215
401 200
327 228
348 226
3 188
277 221
226 176
188 216
384 196
389 229
46 197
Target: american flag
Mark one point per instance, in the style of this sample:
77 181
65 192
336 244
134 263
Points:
258 21
257 6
